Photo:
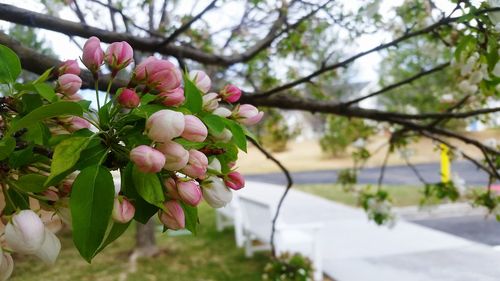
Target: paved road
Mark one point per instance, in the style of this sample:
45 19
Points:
394 175
475 228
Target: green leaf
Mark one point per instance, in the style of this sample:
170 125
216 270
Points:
492 56
191 217
38 133
10 65
194 101
116 231
44 77
147 98
93 154
7 146
30 102
149 187
190 144
239 136
46 91
147 110
47 111
66 155
21 157
85 104
104 116
214 122
32 183
91 205
250 134
143 210
231 155
462 45
16 200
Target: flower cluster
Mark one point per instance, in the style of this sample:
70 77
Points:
172 140
288 266
472 71
378 206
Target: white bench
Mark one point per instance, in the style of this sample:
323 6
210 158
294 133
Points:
230 215
294 238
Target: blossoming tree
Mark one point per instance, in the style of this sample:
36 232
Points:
173 137
170 141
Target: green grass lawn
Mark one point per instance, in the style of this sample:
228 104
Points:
208 256
401 195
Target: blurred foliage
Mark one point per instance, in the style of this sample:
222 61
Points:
290 267
341 132
274 132
431 93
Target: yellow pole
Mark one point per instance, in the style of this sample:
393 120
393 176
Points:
445 163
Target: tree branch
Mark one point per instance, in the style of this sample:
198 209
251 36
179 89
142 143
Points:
400 83
38 63
187 25
346 62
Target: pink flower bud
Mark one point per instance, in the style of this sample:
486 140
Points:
6 265
93 55
49 251
247 114
147 159
128 98
65 187
163 75
190 192
216 193
230 93
140 72
173 98
51 195
75 97
171 187
164 125
77 123
215 165
197 164
69 67
69 84
224 136
173 215
201 80
119 55
235 181
222 112
194 129
211 101
176 157
25 233
123 210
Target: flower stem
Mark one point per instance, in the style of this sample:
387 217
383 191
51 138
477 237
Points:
108 89
96 85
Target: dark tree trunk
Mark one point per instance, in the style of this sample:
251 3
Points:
145 239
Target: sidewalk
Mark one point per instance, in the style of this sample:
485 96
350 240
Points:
355 249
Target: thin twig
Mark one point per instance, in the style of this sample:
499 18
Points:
287 189
399 84
187 25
